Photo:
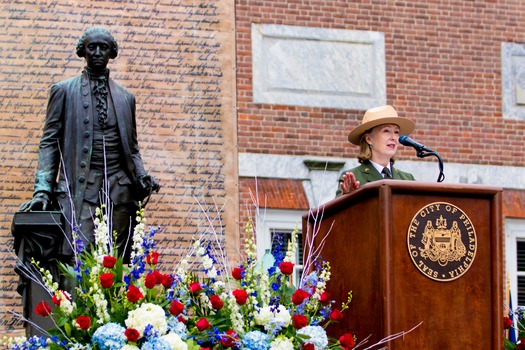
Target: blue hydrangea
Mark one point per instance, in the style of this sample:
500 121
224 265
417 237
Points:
109 337
177 327
317 336
274 325
35 342
156 344
310 280
256 340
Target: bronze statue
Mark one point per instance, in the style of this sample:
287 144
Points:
89 142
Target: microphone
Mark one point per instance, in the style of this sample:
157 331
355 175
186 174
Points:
407 141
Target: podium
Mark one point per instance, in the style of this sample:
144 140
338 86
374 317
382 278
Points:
415 253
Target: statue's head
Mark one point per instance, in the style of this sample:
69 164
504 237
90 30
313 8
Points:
81 47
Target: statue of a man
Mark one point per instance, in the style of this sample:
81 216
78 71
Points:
89 143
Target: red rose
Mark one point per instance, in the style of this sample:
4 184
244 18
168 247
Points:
299 321
134 294
216 302
299 296
507 322
150 281
324 298
336 315
132 335
158 277
202 324
182 319
308 346
240 296
176 308
521 345
167 281
195 287
56 300
109 261
229 339
43 309
238 273
286 267
83 322
347 341
152 258
106 279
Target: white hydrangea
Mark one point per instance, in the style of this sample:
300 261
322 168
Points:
147 314
281 343
175 341
283 314
129 347
265 314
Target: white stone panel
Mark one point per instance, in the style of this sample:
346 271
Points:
513 80
317 67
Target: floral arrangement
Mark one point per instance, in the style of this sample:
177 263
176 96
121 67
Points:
203 304
511 341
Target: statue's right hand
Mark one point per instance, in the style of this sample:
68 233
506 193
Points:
40 201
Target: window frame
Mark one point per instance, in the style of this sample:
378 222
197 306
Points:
514 232
271 220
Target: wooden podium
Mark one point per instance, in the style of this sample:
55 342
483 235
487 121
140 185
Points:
414 252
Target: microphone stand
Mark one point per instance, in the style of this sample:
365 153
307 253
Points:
421 154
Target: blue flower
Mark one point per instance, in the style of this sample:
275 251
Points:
310 280
156 344
274 326
256 340
177 327
317 336
109 337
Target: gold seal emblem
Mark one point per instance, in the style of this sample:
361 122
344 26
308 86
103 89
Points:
442 241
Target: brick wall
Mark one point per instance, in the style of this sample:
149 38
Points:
443 70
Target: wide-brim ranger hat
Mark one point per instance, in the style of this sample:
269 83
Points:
378 116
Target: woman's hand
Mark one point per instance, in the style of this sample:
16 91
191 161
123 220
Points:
349 183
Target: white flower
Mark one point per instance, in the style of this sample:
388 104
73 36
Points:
236 316
65 302
281 343
212 273
175 341
207 262
129 347
283 314
218 286
265 314
77 347
147 314
292 247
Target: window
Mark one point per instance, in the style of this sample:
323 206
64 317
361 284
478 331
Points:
285 236
272 223
515 261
